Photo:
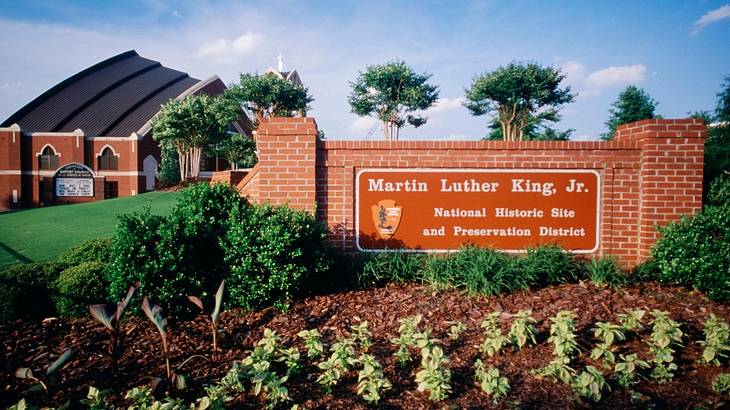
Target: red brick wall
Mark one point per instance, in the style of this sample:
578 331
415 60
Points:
651 173
11 194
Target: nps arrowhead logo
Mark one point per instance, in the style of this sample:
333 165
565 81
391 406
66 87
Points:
386 217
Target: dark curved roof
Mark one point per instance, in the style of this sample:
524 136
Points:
115 97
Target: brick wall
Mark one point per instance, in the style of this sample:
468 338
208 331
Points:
651 173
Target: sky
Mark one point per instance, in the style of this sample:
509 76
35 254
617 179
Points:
678 51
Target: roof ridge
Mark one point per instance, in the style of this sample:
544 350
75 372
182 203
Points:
63 84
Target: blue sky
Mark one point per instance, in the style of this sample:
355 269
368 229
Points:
678 51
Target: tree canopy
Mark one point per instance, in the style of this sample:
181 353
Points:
266 96
519 94
717 145
537 129
190 124
633 104
392 92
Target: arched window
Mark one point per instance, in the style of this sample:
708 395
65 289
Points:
107 160
48 159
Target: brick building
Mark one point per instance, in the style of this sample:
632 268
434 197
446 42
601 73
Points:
99 118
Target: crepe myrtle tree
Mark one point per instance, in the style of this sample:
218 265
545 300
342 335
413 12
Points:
392 92
519 94
238 149
265 96
191 124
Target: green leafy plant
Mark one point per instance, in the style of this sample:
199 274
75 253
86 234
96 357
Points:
213 312
362 335
607 333
371 381
627 370
563 338
523 329
312 342
665 334
96 399
605 271
143 399
42 382
155 315
91 250
631 321
223 391
26 282
257 367
556 371
590 383
384 267
548 265
717 340
341 361
456 329
80 285
493 339
290 357
490 381
434 377
407 329
111 317
721 384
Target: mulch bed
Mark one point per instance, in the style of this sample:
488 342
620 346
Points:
37 344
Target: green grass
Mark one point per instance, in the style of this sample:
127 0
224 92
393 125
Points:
34 235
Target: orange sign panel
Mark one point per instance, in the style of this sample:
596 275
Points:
443 209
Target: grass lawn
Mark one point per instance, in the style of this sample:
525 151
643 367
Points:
33 235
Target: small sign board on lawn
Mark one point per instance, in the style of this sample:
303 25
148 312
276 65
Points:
74 180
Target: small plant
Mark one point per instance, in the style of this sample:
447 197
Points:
523 329
290 357
721 384
717 340
562 336
407 329
631 320
433 376
605 271
213 312
456 329
608 333
111 317
493 338
258 368
42 383
362 335
142 398
96 399
626 371
154 313
370 379
590 383
665 334
312 342
556 371
490 381
341 360
222 392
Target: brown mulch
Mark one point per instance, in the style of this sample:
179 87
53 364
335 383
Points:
37 344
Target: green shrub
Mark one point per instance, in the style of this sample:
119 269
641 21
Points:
92 250
480 271
549 265
605 271
178 255
80 286
26 290
646 271
384 267
274 253
719 193
693 252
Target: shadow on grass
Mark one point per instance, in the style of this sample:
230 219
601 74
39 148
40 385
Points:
20 258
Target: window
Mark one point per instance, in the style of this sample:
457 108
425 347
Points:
111 189
48 159
107 160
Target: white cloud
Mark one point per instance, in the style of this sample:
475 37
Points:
446 104
176 14
711 17
591 84
244 44
363 125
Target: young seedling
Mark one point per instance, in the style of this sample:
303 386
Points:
154 313
626 371
370 379
312 343
434 377
456 329
590 383
212 312
562 336
96 399
523 329
665 334
493 338
721 384
717 340
608 333
111 317
631 320
490 381
407 330
341 360
42 383
258 368
362 335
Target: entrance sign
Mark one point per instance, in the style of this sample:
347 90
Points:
443 209
74 180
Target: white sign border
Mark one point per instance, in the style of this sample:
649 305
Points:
481 171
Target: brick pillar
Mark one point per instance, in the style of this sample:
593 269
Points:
672 156
287 156
10 170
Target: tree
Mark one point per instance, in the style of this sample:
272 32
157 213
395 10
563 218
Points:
392 92
717 145
519 94
237 149
537 129
266 96
190 124
633 104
